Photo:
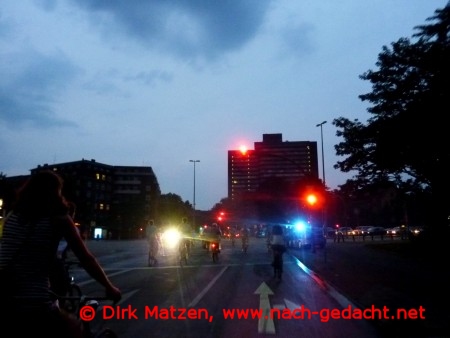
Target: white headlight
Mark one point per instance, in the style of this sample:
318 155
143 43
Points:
171 237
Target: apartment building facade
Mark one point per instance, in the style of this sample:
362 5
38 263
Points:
289 161
112 201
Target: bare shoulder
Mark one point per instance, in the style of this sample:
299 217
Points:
62 219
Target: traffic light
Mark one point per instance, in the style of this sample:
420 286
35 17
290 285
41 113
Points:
311 199
221 216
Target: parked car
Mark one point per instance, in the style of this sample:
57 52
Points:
261 234
330 232
296 239
393 232
415 230
376 231
344 231
317 238
310 237
361 230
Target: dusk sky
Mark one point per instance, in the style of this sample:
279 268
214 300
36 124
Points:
158 83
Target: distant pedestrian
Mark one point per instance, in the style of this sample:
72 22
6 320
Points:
278 248
162 248
403 232
339 236
277 239
153 242
185 228
186 234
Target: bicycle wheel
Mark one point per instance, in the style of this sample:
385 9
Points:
73 305
183 254
184 257
152 258
106 333
188 247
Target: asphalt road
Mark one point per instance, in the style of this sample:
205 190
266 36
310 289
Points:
238 282
392 274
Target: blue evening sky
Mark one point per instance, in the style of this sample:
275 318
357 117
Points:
158 83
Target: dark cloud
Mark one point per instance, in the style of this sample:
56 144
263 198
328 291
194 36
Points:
30 84
189 29
108 82
150 77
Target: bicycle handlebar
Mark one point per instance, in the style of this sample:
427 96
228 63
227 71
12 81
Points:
81 298
72 263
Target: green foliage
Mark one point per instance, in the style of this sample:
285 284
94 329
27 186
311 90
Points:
171 209
405 138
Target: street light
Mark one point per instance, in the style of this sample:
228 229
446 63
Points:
321 139
324 211
193 215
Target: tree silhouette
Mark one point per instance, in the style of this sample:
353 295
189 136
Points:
405 138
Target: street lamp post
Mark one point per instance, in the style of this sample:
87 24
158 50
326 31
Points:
321 140
324 212
193 214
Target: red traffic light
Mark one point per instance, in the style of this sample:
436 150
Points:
311 199
221 216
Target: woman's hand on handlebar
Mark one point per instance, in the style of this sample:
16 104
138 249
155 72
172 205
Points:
114 294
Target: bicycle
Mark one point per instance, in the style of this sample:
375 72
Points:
93 302
269 245
74 289
183 252
63 283
244 244
277 264
153 252
215 250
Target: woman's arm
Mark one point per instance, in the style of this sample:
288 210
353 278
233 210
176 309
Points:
86 258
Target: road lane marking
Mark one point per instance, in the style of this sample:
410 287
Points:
291 305
265 323
89 281
127 295
206 289
332 292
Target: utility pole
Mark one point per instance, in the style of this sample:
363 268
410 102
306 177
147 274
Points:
193 204
323 157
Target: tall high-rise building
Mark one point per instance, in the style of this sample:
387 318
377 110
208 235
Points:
273 157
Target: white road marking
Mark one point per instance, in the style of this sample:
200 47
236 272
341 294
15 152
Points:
291 305
89 281
127 295
279 306
265 323
206 289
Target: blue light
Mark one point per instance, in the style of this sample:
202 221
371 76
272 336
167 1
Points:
300 226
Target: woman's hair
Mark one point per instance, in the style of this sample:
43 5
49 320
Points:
41 196
72 208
